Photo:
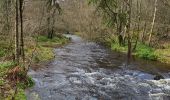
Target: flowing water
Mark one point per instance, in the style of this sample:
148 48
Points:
84 70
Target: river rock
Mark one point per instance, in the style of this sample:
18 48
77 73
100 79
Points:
158 77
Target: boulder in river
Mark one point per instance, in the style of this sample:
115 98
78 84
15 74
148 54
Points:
158 77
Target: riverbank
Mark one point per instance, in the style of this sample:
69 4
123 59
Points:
38 50
142 50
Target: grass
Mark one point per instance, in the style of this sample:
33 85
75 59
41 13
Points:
6 64
44 49
21 88
4 48
118 48
55 41
19 96
163 55
45 54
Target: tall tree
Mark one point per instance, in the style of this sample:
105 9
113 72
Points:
153 22
128 25
21 30
52 7
17 50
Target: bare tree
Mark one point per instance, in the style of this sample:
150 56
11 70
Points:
153 22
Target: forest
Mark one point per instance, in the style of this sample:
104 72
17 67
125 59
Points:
84 50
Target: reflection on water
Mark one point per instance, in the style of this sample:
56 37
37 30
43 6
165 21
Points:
86 71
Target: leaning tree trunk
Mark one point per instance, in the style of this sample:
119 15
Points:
153 23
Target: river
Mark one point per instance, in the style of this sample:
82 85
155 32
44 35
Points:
84 70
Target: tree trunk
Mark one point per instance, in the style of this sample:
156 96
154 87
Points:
7 16
128 30
143 33
153 22
48 25
120 37
53 23
138 24
16 34
21 27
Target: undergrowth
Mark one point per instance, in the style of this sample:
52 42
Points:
142 50
145 52
10 74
